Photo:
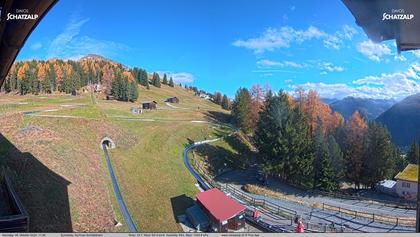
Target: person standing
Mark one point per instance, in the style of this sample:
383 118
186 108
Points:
300 227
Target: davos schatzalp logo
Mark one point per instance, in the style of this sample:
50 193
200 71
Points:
21 14
397 14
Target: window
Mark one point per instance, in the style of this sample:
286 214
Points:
405 185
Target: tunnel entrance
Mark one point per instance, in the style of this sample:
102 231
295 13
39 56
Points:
108 142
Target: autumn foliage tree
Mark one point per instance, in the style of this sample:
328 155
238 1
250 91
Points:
314 110
69 76
355 130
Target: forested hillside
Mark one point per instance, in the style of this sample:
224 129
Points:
69 76
303 142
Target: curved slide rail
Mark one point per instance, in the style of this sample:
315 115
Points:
205 185
127 217
194 173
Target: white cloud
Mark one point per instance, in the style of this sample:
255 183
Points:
325 67
178 77
416 53
182 77
36 46
385 86
338 90
284 37
288 81
400 58
329 67
332 42
70 45
373 50
336 40
348 32
274 71
273 38
269 63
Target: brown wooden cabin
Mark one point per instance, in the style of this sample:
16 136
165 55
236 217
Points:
172 100
149 105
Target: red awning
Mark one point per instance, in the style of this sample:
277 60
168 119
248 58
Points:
219 205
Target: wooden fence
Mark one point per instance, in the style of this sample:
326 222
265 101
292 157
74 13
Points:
402 221
403 204
290 214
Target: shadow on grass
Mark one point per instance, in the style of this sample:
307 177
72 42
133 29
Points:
218 117
43 193
221 158
180 204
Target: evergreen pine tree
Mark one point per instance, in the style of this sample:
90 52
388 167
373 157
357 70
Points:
133 93
413 153
225 102
144 81
165 80
327 180
324 175
171 82
156 80
240 110
378 155
284 143
337 158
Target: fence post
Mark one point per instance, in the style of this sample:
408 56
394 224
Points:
339 209
323 206
397 221
373 215
355 214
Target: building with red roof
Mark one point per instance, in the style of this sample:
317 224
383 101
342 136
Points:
224 212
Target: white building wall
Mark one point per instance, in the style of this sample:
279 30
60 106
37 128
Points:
406 189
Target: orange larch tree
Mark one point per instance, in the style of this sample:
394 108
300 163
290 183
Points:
355 130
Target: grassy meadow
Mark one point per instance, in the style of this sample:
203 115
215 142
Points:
50 146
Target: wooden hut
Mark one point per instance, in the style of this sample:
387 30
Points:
224 212
172 100
149 105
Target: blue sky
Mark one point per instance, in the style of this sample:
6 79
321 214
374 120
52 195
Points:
223 45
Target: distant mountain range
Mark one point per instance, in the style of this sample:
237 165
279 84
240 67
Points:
403 120
369 108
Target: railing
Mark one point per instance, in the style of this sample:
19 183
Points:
402 204
263 204
402 221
